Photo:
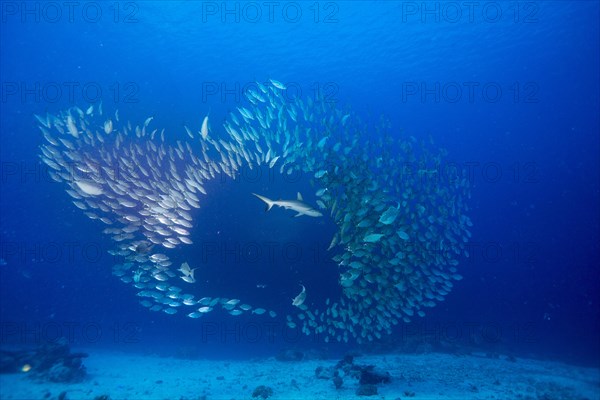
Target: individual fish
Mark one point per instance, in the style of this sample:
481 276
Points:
188 279
389 216
277 84
320 174
189 132
72 127
297 205
273 161
89 187
372 237
204 129
108 127
403 235
299 299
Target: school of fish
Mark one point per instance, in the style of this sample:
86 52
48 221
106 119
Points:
401 227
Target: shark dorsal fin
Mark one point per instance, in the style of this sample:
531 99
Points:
299 197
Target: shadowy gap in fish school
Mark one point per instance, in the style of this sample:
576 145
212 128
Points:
261 256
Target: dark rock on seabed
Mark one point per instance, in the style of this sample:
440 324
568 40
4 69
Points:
262 392
50 362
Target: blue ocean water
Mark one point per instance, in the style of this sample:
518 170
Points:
509 89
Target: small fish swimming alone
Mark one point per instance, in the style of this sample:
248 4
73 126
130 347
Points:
297 205
299 300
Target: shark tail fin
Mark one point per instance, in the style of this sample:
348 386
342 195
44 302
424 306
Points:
267 201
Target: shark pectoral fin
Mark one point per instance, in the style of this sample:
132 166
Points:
298 215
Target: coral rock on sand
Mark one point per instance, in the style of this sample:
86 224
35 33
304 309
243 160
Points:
262 392
338 382
366 390
51 362
325 372
372 375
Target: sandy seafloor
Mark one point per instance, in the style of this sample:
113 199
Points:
424 376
